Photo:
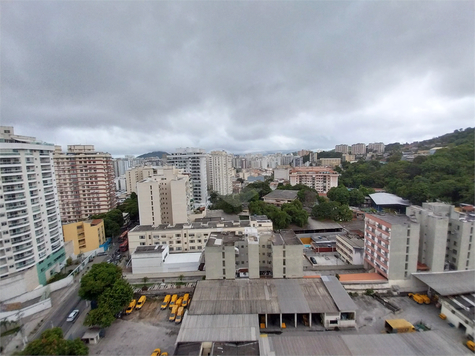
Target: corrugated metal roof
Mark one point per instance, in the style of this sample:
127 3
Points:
417 343
261 296
449 282
219 328
339 294
388 199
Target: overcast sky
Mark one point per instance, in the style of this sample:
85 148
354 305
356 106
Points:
132 77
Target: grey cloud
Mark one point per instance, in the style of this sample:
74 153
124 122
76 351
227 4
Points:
235 75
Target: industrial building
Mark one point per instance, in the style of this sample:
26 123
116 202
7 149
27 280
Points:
157 259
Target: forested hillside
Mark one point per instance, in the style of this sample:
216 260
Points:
448 175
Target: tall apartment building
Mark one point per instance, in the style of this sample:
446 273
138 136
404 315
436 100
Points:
330 162
221 171
191 237
86 235
342 148
253 254
31 240
121 165
322 179
446 238
358 149
377 147
193 162
85 180
391 245
137 174
164 198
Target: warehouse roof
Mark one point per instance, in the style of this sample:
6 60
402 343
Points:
388 199
339 294
231 328
149 249
423 343
282 194
261 296
449 282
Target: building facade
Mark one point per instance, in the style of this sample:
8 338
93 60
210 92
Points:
446 236
358 149
164 198
85 180
137 174
86 235
330 162
221 172
377 147
31 240
252 254
192 161
391 245
190 237
342 148
322 179
350 249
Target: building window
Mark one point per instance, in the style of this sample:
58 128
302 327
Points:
142 244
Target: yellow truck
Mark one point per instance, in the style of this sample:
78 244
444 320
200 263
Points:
166 301
419 298
179 301
173 301
173 313
179 315
186 300
394 326
131 306
141 302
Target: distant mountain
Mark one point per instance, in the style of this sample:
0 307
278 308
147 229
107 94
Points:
159 154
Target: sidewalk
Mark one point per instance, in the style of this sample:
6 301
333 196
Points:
33 325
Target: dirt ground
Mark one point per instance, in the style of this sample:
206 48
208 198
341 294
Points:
140 332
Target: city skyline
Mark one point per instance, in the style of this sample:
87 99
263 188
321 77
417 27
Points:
132 78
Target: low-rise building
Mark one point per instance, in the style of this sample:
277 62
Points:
157 259
86 235
351 249
329 162
253 254
279 197
190 237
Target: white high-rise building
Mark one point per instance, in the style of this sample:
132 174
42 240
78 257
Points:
358 149
164 198
221 171
31 240
193 162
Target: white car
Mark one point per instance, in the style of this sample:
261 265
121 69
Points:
74 314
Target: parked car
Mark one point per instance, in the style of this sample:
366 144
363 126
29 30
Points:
313 260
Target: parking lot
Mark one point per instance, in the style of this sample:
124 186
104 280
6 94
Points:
140 332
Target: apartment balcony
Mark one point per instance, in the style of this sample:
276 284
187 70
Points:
5 162
49 197
11 180
17 214
50 212
19 240
23 256
47 182
19 223
14 189
55 247
40 241
48 190
20 232
15 206
22 248
3 271
25 264
5 172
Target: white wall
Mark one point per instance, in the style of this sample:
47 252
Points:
30 310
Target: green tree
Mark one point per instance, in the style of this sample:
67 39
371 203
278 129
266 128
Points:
52 342
281 220
339 194
100 277
356 197
102 316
